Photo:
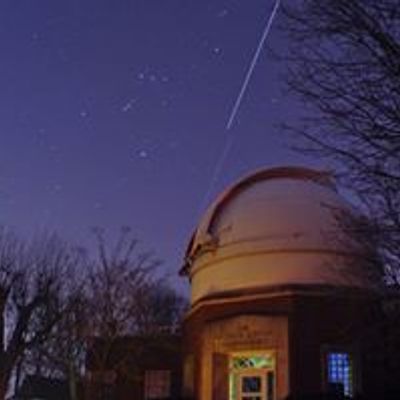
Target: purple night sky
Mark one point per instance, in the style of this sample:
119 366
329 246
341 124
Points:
113 113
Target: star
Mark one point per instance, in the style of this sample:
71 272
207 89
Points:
223 13
217 50
143 154
128 105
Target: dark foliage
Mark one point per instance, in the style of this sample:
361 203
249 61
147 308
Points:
344 65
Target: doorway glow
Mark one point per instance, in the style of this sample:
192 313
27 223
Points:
263 362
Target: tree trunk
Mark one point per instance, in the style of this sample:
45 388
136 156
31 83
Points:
3 386
18 375
4 375
73 390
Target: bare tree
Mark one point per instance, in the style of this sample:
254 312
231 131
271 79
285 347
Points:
100 307
32 279
63 354
159 309
117 297
127 300
344 64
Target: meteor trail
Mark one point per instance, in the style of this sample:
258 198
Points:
235 109
217 169
252 65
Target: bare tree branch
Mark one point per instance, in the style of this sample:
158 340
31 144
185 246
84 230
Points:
344 63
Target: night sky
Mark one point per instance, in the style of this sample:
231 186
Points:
113 113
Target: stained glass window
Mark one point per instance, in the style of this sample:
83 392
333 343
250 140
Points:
340 372
254 361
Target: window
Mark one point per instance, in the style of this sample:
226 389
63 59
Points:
157 384
252 361
252 376
340 372
252 387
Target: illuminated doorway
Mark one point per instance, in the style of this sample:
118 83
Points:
252 376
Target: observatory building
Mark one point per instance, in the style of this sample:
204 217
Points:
277 301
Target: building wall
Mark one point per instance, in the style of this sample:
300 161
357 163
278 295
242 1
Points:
301 324
223 271
320 325
225 326
241 334
123 377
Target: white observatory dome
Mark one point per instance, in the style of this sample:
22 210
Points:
276 227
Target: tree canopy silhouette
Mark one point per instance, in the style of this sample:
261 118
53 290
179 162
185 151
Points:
344 65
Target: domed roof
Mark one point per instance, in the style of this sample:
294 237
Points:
267 221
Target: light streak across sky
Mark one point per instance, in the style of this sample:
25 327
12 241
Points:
253 64
229 140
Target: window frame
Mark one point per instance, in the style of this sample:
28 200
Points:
352 353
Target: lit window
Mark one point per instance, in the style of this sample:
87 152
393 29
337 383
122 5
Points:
340 372
253 361
252 376
157 384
